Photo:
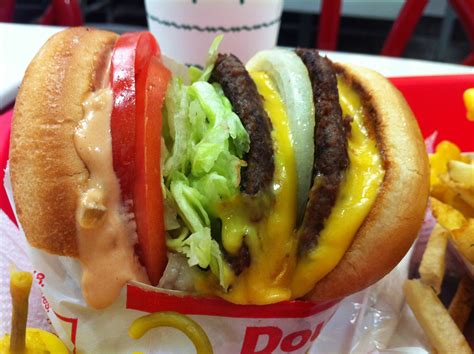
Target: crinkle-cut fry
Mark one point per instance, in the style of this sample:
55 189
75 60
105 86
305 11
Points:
461 172
445 151
441 330
446 215
461 306
464 240
465 191
433 263
447 195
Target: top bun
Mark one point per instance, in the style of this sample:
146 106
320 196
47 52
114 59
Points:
47 173
398 211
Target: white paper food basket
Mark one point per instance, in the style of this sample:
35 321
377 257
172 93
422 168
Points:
287 327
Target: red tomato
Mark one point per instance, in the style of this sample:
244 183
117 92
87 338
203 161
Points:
126 65
139 83
148 199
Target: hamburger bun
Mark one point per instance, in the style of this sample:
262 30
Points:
47 173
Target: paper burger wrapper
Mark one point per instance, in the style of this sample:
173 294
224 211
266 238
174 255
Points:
186 28
286 327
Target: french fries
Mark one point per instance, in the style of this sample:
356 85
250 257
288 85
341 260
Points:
447 195
464 240
461 172
440 328
433 263
461 306
452 204
445 152
469 103
447 216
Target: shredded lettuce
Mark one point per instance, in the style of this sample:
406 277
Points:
206 142
176 104
201 250
194 73
189 202
211 58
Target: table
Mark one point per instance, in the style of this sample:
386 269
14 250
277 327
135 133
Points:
19 43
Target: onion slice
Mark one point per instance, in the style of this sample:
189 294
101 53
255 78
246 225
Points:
291 77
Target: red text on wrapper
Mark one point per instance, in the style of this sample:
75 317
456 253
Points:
267 339
286 327
73 322
39 277
45 303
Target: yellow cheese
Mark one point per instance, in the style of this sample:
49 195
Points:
271 241
355 198
267 222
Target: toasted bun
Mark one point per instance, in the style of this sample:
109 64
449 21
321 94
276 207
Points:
398 211
47 173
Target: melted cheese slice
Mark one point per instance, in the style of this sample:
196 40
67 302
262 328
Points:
275 274
354 201
271 241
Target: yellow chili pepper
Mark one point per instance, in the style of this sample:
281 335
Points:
175 320
26 340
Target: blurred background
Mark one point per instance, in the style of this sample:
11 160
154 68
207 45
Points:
363 28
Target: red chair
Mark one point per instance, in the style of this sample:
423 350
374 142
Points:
7 8
62 13
59 13
402 29
329 19
465 11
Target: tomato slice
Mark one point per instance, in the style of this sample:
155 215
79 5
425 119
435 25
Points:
126 65
139 83
148 199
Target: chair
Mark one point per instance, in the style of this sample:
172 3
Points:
329 20
62 13
465 11
402 28
7 8
59 12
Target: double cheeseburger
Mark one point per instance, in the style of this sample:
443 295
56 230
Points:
289 177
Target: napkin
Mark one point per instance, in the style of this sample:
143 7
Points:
13 252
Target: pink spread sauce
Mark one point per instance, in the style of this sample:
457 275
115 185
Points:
105 231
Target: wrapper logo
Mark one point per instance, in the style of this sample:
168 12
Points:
39 277
265 340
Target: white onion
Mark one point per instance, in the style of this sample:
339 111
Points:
291 77
177 69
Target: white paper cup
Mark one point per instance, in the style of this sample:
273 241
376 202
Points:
186 28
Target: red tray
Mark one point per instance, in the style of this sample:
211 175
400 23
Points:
437 102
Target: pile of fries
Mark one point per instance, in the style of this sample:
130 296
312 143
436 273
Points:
452 204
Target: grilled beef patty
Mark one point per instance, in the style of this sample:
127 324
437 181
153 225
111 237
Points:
331 158
246 102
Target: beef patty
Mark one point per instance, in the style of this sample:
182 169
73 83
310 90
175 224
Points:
246 102
331 158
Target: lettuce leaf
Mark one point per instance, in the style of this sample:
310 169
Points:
206 143
211 58
201 250
176 104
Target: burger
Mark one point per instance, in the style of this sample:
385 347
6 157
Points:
289 177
